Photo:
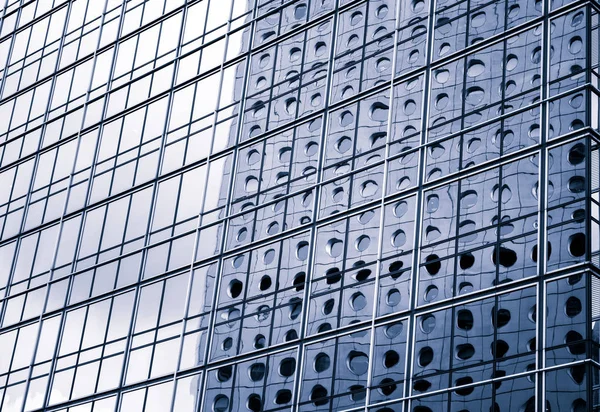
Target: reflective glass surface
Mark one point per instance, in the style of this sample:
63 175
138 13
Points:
299 205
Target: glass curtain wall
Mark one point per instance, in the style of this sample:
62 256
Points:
299 205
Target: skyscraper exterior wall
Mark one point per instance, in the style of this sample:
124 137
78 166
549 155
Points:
304 205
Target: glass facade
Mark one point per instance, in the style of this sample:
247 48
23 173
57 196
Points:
303 205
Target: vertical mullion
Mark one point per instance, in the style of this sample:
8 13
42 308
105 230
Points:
75 367
71 175
10 363
589 277
419 209
44 126
458 211
230 183
156 325
12 47
386 165
543 215
2 14
315 212
39 329
22 69
153 203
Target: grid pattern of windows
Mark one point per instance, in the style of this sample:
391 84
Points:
299 205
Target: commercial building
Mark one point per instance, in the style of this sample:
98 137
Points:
308 205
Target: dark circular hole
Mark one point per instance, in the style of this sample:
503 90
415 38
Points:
576 184
574 279
324 327
579 405
322 362
504 257
421 408
283 396
318 395
332 276
221 403
464 319
235 288
291 335
534 252
299 281
224 373
259 342
500 317
578 215
577 244
498 374
573 307
357 393
265 283
577 154
421 385
362 274
425 356
467 260
464 381
262 313
254 403
531 345
387 386
394 269
287 367
575 343
391 359
328 306
577 372
465 351
465 287
295 306
257 371
432 264
499 348
227 344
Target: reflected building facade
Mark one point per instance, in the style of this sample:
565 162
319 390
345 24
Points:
305 205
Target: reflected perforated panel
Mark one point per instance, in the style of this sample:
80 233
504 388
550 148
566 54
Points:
299 205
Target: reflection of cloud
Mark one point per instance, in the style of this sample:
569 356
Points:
11 405
35 397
